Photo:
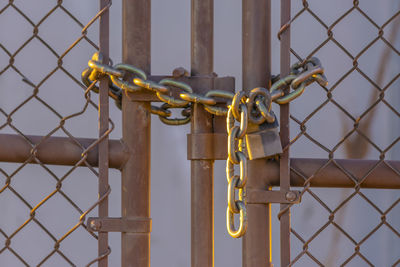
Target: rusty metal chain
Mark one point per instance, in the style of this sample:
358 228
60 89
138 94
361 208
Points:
236 156
254 108
301 75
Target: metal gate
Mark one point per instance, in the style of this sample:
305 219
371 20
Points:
351 165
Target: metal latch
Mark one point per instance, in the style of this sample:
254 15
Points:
123 225
257 196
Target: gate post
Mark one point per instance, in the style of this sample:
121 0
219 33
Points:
202 171
104 37
135 184
256 38
284 166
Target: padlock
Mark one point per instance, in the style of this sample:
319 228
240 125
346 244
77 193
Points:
263 140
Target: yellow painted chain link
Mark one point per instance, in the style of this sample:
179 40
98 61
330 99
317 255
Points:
236 156
260 99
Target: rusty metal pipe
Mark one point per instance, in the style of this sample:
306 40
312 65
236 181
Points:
202 37
202 171
103 146
256 34
58 150
135 195
385 175
341 173
15 148
285 137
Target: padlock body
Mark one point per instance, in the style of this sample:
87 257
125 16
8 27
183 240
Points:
263 141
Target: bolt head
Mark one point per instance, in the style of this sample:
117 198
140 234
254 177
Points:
291 196
95 225
180 72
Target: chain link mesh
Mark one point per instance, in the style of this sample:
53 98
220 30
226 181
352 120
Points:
352 141
335 237
34 90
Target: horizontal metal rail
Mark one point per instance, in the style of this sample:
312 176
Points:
58 150
338 173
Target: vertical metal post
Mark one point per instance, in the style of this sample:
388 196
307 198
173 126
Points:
256 38
202 171
103 128
135 202
285 137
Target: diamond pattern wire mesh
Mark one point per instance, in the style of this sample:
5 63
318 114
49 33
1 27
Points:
354 140
360 128
12 55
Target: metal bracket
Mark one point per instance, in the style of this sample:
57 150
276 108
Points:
131 225
256 196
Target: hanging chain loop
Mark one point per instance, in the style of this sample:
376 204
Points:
236 156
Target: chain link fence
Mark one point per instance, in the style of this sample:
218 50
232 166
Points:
354 117
42 50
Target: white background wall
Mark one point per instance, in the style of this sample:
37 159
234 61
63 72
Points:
170 169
